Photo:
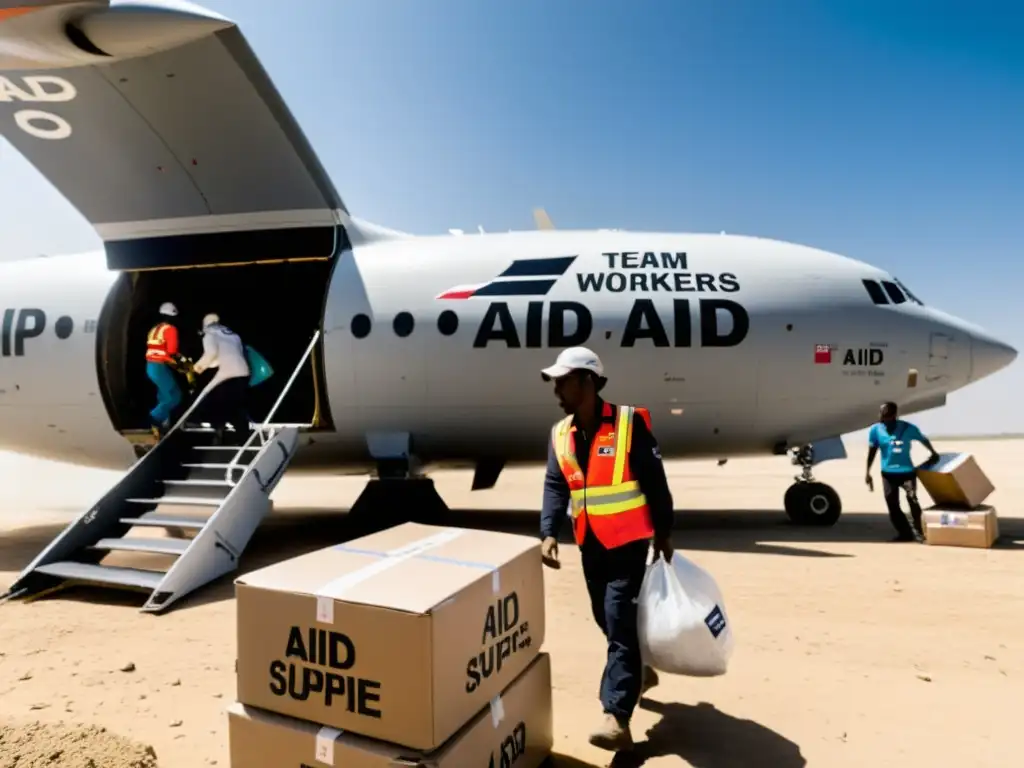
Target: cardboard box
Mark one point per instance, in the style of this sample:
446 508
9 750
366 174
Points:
954 527
956 480
401 636
515 729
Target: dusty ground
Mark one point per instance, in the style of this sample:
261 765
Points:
851 651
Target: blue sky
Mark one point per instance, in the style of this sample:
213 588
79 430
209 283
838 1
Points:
890 132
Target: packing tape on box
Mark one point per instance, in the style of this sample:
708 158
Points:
497 711
334 589
325 739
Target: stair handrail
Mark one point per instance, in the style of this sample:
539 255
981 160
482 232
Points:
267 423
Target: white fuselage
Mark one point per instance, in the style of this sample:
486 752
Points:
646 302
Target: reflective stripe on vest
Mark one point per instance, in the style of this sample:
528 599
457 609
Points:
608 494
156 345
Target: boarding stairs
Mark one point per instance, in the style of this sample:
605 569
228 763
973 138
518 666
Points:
184 485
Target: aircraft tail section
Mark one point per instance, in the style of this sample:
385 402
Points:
155 119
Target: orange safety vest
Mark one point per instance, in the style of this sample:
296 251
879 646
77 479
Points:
608 499
161 343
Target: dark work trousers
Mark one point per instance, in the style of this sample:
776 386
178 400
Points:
226 405
613 580
891 484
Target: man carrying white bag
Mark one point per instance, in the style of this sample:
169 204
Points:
682 622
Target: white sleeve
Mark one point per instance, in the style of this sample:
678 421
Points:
209 353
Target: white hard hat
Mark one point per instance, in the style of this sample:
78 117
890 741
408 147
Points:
573 359
168 309
210 319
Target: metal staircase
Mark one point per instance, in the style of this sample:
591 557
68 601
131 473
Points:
183 485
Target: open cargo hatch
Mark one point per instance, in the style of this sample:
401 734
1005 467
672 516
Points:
166 133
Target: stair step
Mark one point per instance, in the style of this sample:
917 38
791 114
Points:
165 521
207 466
156 546
199 483
103 574
179 501
225 447
202 490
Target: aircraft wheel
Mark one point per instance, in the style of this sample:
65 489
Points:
814 504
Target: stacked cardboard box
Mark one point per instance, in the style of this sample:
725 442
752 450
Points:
416 646
958 518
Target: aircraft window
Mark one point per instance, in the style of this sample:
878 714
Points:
875 292
906 290
448 322
894 292
63 327
403 324
360 326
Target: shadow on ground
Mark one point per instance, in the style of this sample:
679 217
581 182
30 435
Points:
704 737
291 532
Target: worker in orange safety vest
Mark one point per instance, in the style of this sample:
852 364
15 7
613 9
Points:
605 470
162 358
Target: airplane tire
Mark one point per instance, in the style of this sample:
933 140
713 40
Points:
813 504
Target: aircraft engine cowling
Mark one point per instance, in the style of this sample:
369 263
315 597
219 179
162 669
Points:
75 34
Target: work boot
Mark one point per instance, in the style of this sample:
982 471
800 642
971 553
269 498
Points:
649 680
612 735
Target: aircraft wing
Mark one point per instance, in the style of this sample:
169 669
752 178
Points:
155 119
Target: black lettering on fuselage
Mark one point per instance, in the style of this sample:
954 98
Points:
864 357
657 282
642 323
646 260
710 335
19 325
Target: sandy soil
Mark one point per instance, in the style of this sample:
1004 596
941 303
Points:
850 651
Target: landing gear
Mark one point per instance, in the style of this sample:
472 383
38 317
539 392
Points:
807 501
399 494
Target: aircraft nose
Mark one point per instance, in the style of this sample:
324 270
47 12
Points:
988 355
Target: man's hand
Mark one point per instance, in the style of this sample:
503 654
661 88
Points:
663 547
549 552
869 481
933 459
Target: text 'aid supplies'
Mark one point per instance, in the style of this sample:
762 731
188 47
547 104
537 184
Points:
683 625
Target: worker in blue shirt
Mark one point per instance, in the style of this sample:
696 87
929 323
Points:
613 542
893 436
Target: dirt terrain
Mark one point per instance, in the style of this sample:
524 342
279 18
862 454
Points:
850 650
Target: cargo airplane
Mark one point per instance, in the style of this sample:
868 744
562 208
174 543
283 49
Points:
397 353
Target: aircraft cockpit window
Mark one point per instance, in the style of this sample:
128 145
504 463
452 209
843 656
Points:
894 292
906 290
875 292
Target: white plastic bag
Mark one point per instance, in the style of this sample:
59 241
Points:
683 626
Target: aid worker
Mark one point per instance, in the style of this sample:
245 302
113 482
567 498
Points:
225 402
604 462
162 359
892 437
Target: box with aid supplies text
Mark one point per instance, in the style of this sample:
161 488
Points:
401 636
953 527
955 480
513 729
